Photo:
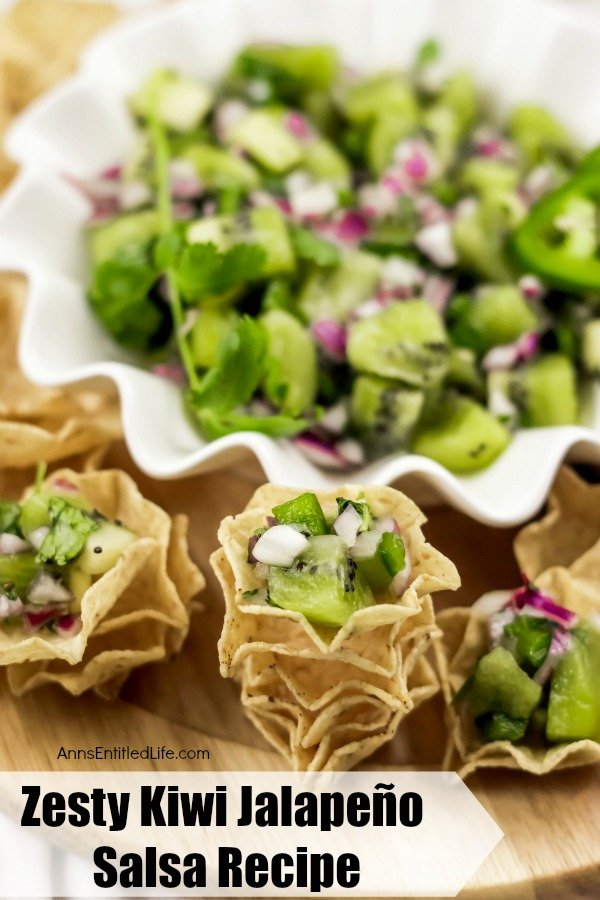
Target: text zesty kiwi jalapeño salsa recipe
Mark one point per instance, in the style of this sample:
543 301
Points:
364 265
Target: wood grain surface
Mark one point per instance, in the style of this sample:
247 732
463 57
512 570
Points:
551 847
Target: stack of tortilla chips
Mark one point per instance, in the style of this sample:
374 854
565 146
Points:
561 554
138 612
328 698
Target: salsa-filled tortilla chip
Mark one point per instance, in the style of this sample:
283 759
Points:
94 581
521 674
327 616
44 423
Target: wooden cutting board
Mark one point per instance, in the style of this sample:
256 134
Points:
551 847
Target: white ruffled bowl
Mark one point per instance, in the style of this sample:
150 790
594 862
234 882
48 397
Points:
518 50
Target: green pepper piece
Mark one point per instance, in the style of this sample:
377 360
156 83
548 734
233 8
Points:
304 510
570 258
500 727
533 637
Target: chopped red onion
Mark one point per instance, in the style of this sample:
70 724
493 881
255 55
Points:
561 643
321 453
438 290
347 525
37 537
134 194
399 272
331 336
68 626
506 356
316 200
113 173
435 241
12 543
366 545
184 210
298 125
401 579
351 226
372 306
9 607
45 589
387 524
33 621
393 183
170 372
531 287
227 116
538 182
336 418
376 202
417 159
529 598
490 603
279 546
497 622
351 451
185 184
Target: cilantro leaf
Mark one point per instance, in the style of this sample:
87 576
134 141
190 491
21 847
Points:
70 528
202 271
9 517
428 52
120 297
238 371
215 425
312 248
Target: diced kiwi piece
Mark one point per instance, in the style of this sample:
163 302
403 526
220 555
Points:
264 136
546 392
497 314
209 329
263 226
590 347
384 134
323 584
218 168
333 295
480 242
498 726
574 703
291 382
269 231
305 511
34 513
464 372
307 67
538 133
385 412
388 559
462 436
78 582
106 240
104 548
459 94
500 685
407 341
179 102
388 93
324 162
482 174
17 571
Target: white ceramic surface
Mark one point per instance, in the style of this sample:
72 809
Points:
518 50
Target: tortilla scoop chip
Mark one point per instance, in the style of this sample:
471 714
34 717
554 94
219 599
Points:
327 698
44 423
570 527
135 613
465 640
